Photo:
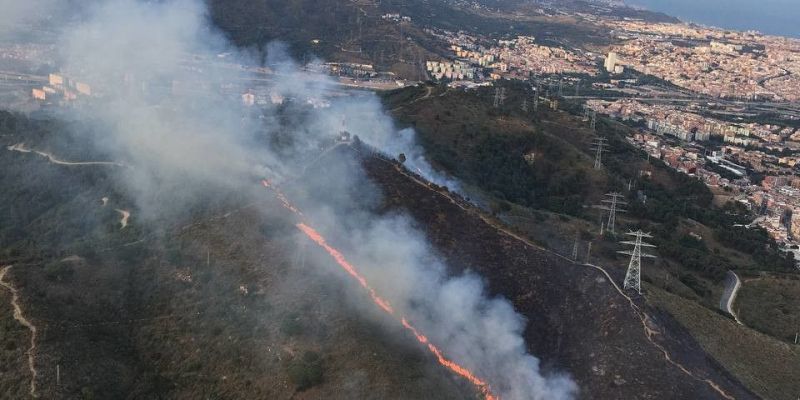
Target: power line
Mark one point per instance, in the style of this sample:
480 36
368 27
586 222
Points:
633 278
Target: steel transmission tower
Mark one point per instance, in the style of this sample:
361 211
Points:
575 247
613 204
499 97
524 105
594 121
633 278
599 145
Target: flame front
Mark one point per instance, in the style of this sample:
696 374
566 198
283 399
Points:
317 238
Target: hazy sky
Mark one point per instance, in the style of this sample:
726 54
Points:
777 17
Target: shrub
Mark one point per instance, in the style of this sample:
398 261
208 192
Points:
307 371
58 271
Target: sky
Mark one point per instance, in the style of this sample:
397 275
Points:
775 17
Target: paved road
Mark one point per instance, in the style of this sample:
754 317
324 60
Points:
732 286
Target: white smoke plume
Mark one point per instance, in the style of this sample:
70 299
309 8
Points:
168 105
482 332
19 16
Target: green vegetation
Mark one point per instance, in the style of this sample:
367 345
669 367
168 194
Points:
306 371
291 325
488 148
770 304
485 147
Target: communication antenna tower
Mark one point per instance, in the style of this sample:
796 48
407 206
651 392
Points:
633 278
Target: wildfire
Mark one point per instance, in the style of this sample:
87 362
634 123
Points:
317 238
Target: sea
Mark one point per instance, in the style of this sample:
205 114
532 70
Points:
773 17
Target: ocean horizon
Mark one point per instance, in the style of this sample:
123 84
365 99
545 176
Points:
772 17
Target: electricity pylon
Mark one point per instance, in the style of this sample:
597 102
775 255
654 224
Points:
499 97
599 145
613 205
575 248
633 278
593 124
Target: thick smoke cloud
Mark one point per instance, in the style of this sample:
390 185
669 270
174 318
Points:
168 106
482 332
152 67
16 15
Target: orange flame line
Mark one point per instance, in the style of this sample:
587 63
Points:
453 366
381 302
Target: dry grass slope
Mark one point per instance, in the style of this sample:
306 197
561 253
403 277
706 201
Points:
767 366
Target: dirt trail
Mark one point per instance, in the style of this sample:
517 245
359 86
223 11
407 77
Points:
20 317
650 332
126 215
20 147
429 91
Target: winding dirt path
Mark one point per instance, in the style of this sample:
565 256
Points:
20 317
20 147
650 333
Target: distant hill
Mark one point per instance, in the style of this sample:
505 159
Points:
353 31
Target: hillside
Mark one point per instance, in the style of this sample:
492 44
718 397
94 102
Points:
215 304
573 310
354 31
550 199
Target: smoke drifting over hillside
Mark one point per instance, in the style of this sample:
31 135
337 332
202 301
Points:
169 109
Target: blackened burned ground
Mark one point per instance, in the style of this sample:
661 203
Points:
577 322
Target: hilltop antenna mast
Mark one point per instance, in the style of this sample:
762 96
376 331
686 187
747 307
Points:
599 145
633 278
613 204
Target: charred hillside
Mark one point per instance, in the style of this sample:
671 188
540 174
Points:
578 320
